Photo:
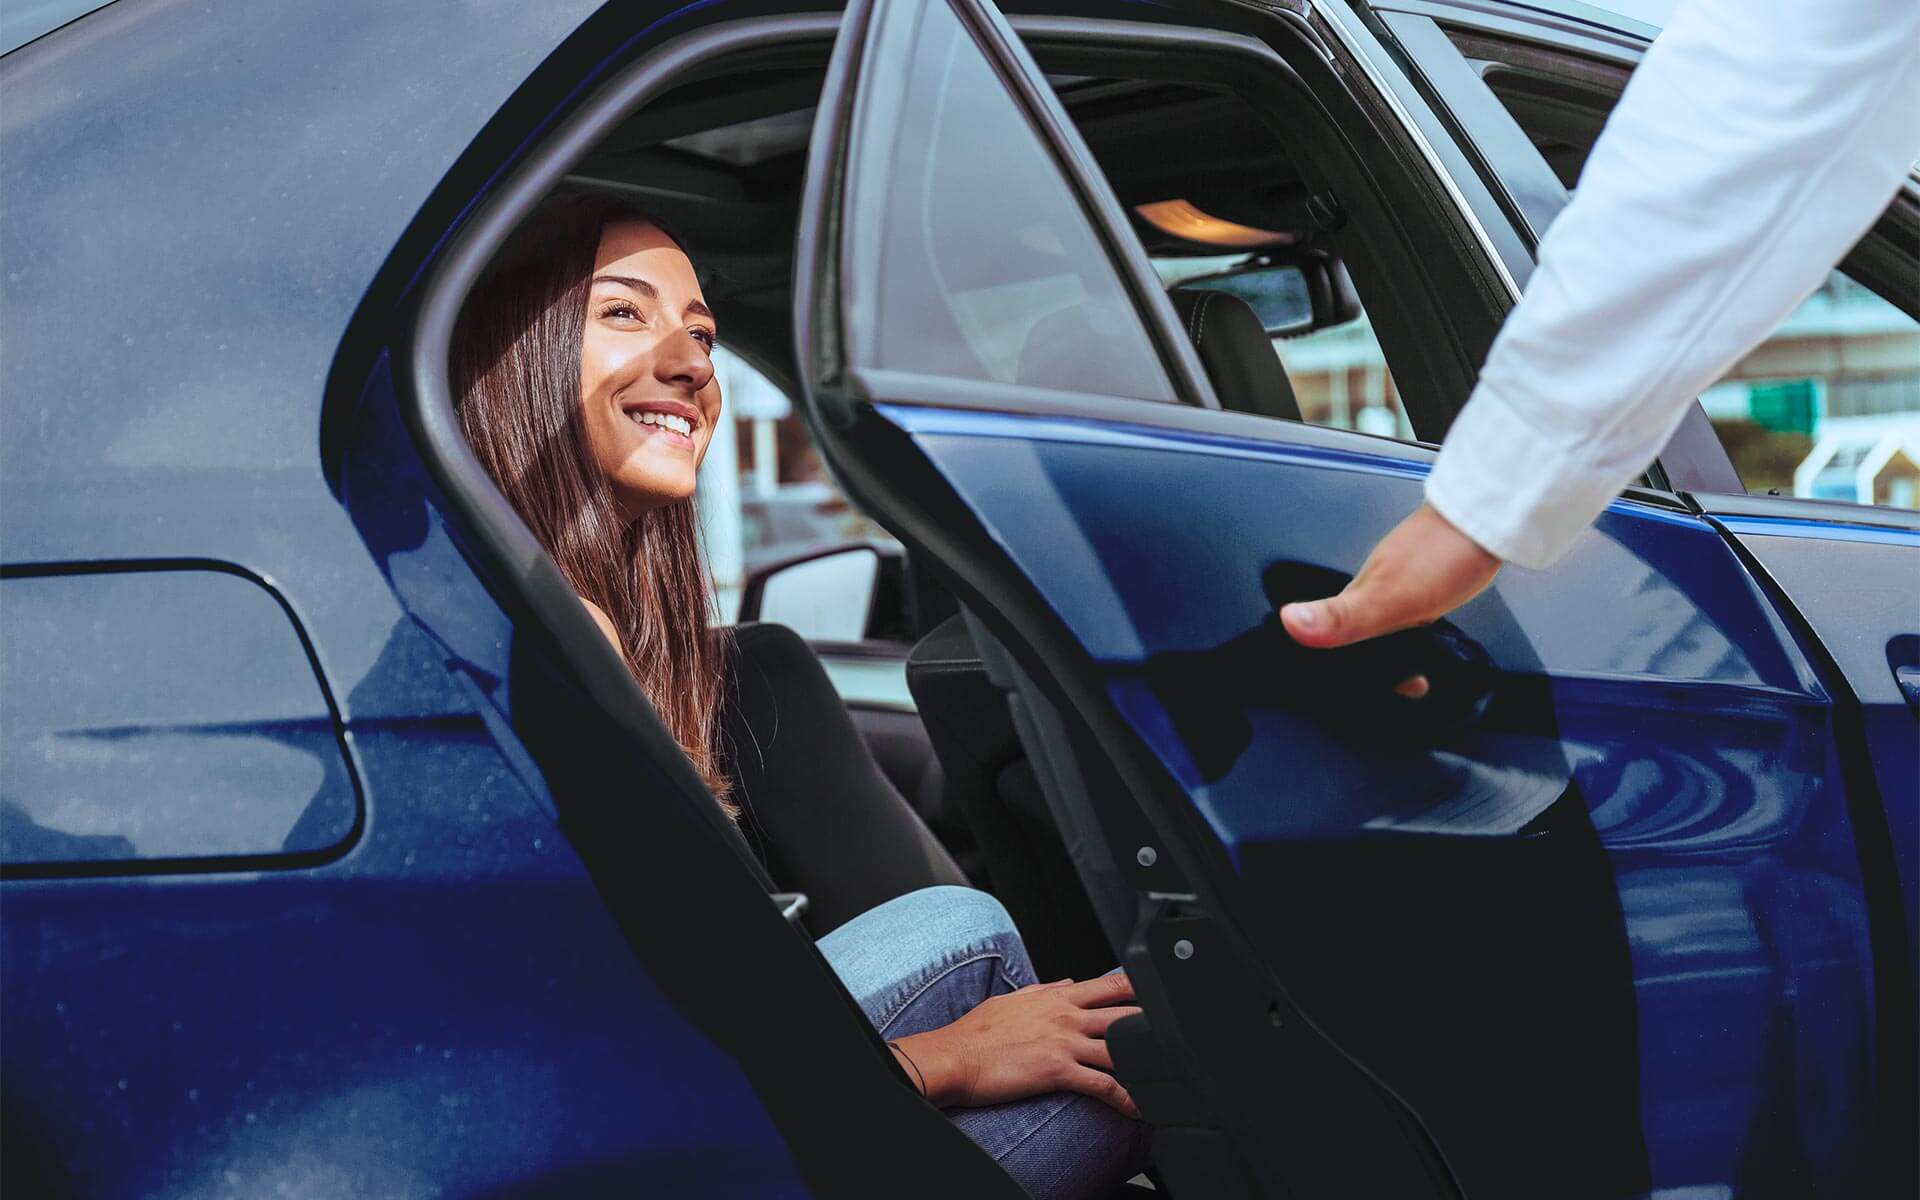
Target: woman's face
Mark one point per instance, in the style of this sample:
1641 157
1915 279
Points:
646 368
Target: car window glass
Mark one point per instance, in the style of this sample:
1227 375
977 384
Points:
1828 407
975 260
161 715
765 497
1338 373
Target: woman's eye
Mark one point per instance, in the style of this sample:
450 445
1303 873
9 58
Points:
706 338
621 309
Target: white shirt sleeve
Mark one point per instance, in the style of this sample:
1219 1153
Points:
1756 143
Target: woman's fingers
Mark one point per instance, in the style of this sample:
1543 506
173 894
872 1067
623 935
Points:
1093 1052
1102 1087
1108 989
1094 1021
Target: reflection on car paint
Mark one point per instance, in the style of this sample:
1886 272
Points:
1645 682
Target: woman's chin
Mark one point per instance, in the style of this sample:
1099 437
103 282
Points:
642 493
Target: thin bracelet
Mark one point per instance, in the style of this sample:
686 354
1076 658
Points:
895 1047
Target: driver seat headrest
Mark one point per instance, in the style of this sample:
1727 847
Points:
1236 352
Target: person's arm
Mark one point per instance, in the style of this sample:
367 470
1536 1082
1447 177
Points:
1752 148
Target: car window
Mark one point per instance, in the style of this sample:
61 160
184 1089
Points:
1828 407
1011 288
1338 373
765 497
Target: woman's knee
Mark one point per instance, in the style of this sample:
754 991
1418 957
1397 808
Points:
954 916
939 919
894 949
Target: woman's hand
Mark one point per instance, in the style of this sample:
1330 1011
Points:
1046 1037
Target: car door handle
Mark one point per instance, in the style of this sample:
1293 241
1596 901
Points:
1208 694
1459 673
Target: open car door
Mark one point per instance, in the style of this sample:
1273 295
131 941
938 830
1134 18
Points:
1588 920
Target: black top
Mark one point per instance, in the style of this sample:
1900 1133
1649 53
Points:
815 805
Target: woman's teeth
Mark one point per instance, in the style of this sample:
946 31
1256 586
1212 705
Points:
679 425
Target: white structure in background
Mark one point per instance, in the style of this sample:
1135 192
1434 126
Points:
745 396
752 399
1866 462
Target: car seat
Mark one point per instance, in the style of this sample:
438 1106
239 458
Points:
1236 352
815 804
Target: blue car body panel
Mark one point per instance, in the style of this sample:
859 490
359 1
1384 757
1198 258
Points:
196 205
1858 588
1647 676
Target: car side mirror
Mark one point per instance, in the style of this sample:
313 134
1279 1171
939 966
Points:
825 596
1307 292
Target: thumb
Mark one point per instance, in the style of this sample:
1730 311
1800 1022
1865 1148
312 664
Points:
1334 621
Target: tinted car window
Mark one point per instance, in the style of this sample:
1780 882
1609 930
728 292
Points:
1828 407
1339 373
161 715
979 263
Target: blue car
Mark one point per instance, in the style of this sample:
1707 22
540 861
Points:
341 858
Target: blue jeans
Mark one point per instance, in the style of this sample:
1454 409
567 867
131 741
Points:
923 960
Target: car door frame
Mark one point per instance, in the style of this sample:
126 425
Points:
1186 876
1010 615
846 1108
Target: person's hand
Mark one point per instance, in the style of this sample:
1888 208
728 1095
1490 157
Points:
1046 1037
1421 571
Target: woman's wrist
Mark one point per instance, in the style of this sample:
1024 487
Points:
921 1056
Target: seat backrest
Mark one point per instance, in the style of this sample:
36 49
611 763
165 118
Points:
1237 353
829 821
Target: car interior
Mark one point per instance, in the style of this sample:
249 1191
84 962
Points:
1204 178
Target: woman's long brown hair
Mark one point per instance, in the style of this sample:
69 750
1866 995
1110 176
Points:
516 368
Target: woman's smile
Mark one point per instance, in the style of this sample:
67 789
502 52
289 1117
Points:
673 423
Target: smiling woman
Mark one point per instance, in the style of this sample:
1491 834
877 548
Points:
583 363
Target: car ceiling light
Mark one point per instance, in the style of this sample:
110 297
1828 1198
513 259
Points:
1183 220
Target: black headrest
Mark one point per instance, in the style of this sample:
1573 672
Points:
1238 355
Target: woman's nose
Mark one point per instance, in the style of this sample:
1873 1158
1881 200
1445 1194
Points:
684 361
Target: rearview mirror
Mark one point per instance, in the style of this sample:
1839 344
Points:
1308 293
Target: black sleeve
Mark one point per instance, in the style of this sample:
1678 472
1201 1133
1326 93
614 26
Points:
827 819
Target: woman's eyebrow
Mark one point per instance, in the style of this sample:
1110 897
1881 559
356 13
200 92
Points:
629 281
694 307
